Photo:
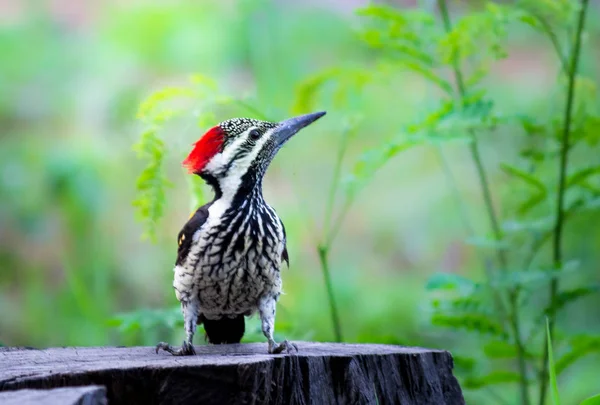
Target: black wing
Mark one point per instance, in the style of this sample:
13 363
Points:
284 256
186 235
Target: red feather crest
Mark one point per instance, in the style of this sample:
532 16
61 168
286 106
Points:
204 149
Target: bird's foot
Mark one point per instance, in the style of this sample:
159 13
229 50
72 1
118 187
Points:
286 346
186 349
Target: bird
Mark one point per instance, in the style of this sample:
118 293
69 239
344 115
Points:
231 250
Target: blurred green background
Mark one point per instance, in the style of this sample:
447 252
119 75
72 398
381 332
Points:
72 75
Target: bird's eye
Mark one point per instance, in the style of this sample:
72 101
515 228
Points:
254 134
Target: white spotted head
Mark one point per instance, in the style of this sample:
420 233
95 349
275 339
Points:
237 152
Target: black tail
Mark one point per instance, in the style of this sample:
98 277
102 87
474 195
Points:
224 330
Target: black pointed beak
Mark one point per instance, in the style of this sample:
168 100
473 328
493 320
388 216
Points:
288 128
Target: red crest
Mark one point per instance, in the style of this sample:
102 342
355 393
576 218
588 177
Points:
204 149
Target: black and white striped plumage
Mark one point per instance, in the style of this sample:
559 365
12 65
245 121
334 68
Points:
231 250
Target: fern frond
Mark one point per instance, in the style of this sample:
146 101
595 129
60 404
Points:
345 80
151 183
472 322
476 34
147 110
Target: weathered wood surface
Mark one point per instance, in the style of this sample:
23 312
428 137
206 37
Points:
321 373
92 395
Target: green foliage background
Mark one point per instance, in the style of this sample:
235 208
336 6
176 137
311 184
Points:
384 192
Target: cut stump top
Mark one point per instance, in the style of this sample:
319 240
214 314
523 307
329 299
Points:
90 395
320 373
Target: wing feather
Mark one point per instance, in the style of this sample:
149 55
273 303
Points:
186 235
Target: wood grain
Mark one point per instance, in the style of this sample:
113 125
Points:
320 373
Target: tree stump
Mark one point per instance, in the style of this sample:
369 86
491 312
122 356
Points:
320 373
92 395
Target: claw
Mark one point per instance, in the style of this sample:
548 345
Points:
186 349
285 345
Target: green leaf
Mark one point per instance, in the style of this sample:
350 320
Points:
592 204
476 113
566 297
526 177
428 74
146 319
477 36
405 37
593 400
579 346
495 377
449 281
533 155
590 187
464 363
531 21
485 242
523 278
551 367
591 130
473 322
478 74
398 50
402 24
547 13
580 176
470 303
531 203
452 121
151 183
345 79
539 225
382 11
530 126
499 349
370 162
147 110
538 196
200 80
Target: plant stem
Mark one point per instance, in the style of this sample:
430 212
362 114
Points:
487 197
541 240
339 220
552 36
474 147
460 206
335 181
557 252
324 259
323 248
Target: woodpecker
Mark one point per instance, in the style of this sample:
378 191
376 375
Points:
231 250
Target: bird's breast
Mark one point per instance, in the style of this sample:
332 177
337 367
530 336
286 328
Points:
235 259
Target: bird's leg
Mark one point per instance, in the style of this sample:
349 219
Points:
190 315
266 309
